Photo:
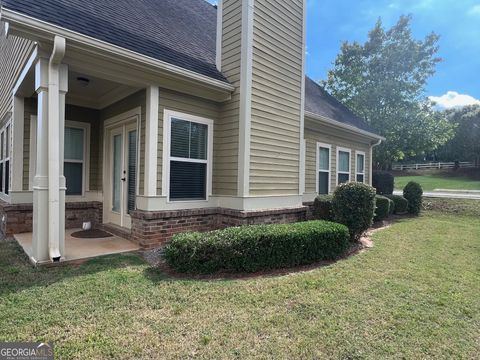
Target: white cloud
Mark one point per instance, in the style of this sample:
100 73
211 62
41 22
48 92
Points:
474 10
453 99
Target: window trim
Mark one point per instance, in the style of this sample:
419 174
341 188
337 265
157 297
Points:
86 154
349 151
329 147
8 157
167 120
358 152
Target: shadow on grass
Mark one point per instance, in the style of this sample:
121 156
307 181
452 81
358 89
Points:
17 273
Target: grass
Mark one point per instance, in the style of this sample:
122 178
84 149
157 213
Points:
432 182
416 294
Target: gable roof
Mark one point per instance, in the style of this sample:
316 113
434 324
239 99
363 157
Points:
319 102
179 32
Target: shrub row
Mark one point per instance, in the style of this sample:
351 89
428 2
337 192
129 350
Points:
255 247
382 210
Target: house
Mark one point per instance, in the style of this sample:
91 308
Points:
154 117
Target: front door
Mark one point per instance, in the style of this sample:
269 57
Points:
122 174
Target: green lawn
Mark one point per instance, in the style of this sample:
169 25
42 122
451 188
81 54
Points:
415 295
432 182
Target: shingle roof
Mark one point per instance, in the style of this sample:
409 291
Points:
319 102
179 32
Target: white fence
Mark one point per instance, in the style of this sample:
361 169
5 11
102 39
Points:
432 165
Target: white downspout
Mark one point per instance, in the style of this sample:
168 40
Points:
53 148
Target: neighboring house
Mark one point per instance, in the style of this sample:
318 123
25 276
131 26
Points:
164 116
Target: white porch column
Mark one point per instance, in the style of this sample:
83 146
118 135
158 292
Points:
63 89
51 85
40 181
151 141
17 143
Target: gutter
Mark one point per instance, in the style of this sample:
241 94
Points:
41 29
59 47
336 123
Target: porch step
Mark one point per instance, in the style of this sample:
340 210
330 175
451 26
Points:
117 230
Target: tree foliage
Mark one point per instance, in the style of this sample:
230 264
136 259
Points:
465 145
383 81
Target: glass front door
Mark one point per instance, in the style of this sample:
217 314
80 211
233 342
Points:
123 174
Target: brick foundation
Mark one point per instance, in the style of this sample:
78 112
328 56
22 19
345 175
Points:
18 218
151 229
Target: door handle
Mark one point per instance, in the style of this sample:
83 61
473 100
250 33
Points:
123 179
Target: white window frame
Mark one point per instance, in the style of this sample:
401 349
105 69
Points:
349 151
358 152
167 120
329 147
7 151
86 153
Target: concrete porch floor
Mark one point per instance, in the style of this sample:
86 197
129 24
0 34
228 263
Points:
81 249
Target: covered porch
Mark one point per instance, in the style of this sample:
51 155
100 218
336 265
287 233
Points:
82 248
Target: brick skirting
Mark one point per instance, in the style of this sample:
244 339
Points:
151 229
18 218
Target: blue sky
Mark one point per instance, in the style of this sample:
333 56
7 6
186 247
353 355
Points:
457 81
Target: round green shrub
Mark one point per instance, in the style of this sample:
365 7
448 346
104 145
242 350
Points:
354 205
401 204
256 247
413 192
382 207
383 182
322 207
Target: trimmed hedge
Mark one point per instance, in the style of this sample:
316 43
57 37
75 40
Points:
354 206
413 192
383 182
401 204
255 247
322 207
382 207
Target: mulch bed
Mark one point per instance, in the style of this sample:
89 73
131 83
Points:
156 259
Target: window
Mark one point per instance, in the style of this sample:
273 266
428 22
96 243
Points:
5 159
343 165
323 168
360 166
74 160
75 155
189 157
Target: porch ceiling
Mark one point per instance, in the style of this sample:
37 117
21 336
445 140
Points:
84 90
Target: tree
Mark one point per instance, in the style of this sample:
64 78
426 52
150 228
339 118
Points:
384 81
465 145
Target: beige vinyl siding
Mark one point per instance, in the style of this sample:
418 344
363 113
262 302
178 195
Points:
174 101
276 97
226 142
136 100
14 53
336 138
